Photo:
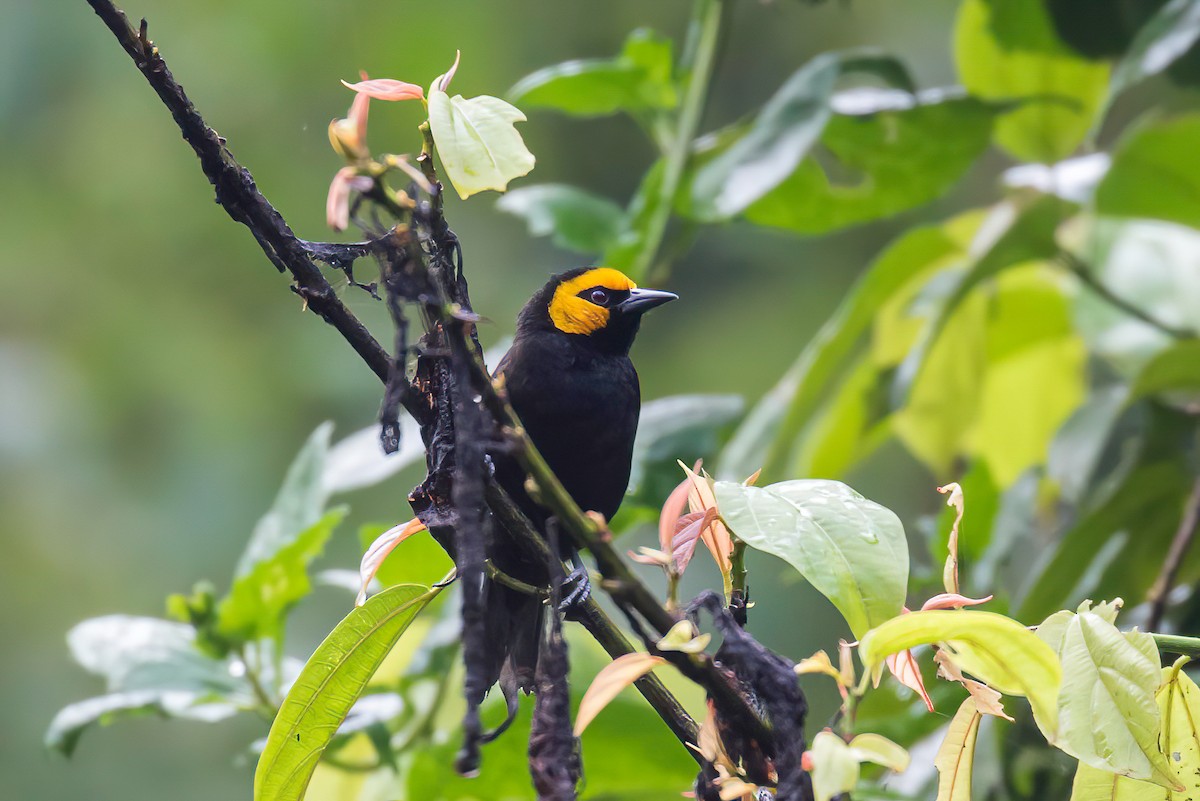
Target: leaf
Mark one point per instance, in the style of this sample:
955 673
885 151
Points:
683 638
995 649
1098 555
1009 52
577 220
378 551
1170 33
818 663
904 667
1175 370
878 161
956 757
423 562
788 125
637 80
616 676
72 720
1106 710
1154 173
149 666
688 533
987 700
875 748
299 504
955 499
675 428
835 768
258 602
778 420
478 144
327 687
357 461
1178 701
852 550
139 653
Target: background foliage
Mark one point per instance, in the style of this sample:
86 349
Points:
157 379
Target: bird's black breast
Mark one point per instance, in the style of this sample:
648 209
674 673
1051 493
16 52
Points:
581 410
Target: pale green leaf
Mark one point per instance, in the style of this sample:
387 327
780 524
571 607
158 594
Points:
995 649
331 681
478 142
1178 701
1008 51
835 767
1174 372
955 759
852 550
1106 710
71 721
870 747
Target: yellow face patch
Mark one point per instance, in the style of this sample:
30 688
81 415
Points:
572 314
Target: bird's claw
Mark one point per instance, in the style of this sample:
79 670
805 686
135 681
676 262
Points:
575 592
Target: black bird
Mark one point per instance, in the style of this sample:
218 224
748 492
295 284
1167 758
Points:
569 378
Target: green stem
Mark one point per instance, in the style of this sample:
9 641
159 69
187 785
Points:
737 561
1175 644
708 21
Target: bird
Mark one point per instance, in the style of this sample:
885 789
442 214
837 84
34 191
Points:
569 378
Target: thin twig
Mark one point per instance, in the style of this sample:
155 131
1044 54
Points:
1174 644
1085 274
1184 535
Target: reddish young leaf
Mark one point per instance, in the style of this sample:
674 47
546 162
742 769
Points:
687 533
380 548
387 89
616 676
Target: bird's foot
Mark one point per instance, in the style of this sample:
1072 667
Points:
576 590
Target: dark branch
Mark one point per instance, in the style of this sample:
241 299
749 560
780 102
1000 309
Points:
1084 273
1182 541
239 196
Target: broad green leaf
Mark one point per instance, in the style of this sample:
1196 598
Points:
299 504
996 649
1154 173
258 602
1008 51
1013 234
852 550
575 219
478 142
852 425
1107 716
673 429
1174 371
637 80
955 760
788 125
1178 701
1169 34
1036 373
881 160
331 681
770 432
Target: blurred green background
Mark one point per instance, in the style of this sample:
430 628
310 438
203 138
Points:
156 375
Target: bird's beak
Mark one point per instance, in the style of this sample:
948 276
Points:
641 301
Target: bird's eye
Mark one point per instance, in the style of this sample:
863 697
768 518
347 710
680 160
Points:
599 297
